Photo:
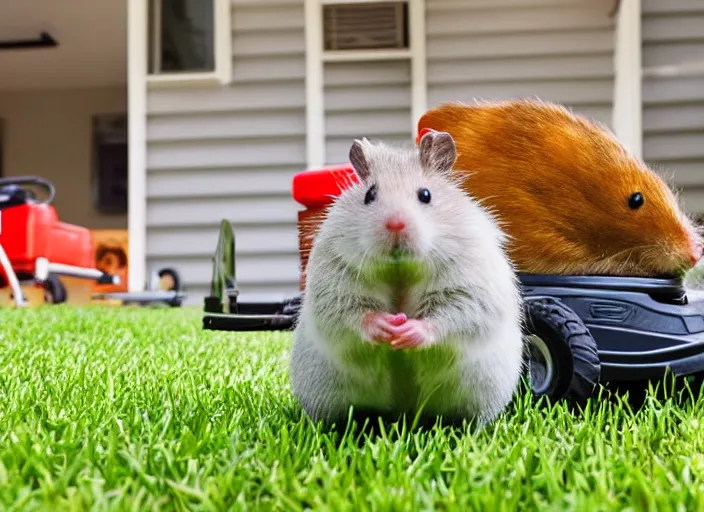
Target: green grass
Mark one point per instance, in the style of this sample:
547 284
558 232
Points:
110 409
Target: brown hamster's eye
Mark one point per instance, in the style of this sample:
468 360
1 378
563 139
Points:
424 195
635 200
371 195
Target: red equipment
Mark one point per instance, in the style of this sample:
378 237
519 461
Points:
32 231
34 244
319 187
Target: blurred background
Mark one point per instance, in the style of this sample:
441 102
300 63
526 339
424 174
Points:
155 119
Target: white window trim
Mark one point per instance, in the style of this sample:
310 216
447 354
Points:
315 108
365 55
223 54
334 2
627 115
137 144
419 63
370 55
316 57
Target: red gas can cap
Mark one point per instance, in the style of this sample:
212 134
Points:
319 187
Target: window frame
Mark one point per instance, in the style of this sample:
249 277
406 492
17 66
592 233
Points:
221 75
371 54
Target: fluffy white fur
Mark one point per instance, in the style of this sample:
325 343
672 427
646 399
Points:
469 292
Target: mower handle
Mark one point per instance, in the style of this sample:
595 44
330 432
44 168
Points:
31 180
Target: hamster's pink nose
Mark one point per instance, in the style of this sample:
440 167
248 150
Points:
395 224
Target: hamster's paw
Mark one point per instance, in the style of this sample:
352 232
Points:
413 333
381 327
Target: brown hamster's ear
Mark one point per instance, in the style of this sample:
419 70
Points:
437 152
359 159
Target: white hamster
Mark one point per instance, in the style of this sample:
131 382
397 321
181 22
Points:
410 300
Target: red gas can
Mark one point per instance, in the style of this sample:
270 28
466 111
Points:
316 190
31 231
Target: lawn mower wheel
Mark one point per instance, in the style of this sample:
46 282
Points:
563 357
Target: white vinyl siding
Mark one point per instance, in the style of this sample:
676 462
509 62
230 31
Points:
231 152
673 106
556 50
365 99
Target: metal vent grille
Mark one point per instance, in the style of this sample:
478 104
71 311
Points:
365 26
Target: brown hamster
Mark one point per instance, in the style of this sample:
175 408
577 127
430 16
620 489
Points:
567 192
411 304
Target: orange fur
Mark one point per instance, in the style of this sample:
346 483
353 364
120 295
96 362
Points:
559 184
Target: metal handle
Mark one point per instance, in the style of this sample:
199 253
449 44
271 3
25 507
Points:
32 180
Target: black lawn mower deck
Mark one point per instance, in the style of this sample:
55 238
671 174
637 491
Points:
641 325
595 328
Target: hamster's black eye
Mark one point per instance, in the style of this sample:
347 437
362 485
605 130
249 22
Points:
635 200
424 195
371 195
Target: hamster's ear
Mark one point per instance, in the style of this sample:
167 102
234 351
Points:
359 159
437 152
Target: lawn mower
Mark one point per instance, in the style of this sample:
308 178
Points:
164 289
580 330
36 248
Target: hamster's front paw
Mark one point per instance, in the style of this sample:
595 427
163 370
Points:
381 327
413 333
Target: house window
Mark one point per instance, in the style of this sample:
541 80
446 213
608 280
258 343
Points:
109 149
365 30
189 40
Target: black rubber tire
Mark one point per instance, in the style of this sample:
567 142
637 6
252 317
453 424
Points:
173 275
55 289
572 348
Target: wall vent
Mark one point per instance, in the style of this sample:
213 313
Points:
365 26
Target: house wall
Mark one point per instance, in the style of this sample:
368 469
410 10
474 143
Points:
557 50
673 107
48 134
365 99
231 152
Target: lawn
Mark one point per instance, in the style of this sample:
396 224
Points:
110 409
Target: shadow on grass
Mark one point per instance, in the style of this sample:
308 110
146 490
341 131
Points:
633 398
682 391
363 425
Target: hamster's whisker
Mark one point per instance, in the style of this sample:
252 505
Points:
343 180
365 255
634 248
627 264
607 263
